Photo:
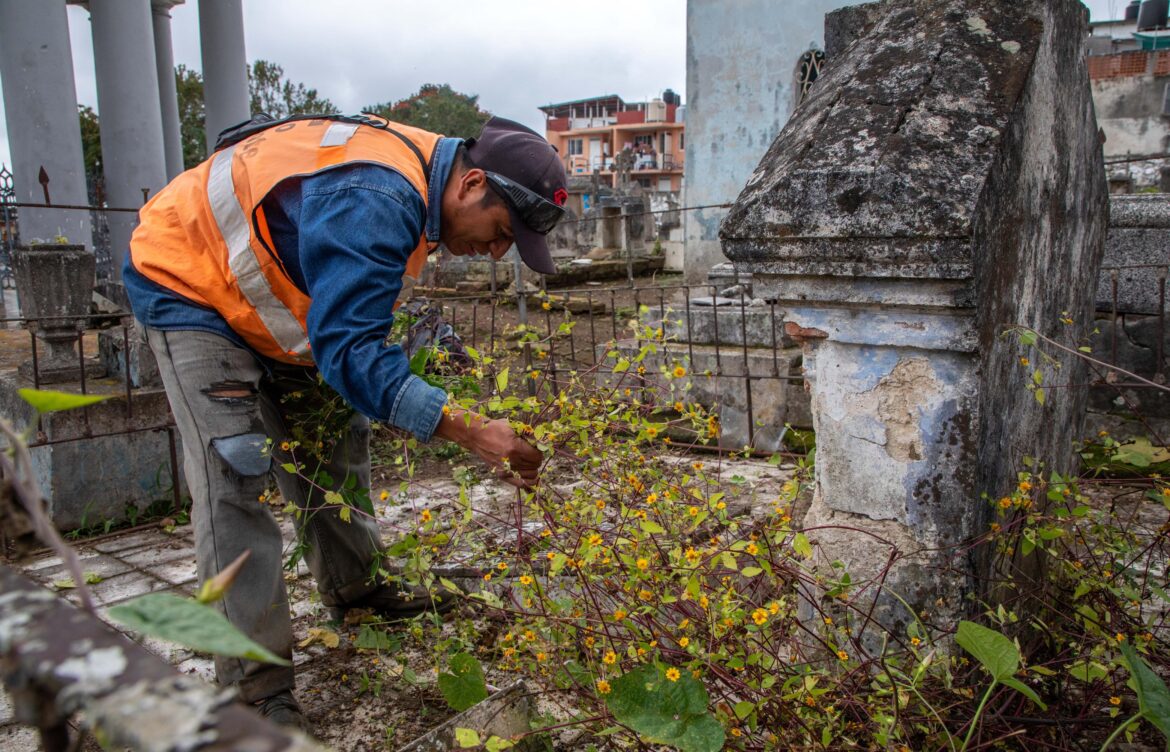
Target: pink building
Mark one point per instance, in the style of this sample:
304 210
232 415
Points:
589 133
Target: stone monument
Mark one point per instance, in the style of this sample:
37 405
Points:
942 182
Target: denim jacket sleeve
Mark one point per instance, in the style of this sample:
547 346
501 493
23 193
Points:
355 236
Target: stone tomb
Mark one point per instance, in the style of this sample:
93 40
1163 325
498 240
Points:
942 182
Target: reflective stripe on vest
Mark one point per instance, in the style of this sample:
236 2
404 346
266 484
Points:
339 133
232 221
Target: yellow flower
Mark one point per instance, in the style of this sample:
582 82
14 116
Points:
542 656
426 515
736 732
652 432
487 577
672 674
525 580
915 641
619 615
684 641
759 616
589 641
446 409
645 595
284 445
842 655
752 549
609 658
704 601
545 306
1115 700
678 407
652 498
692 555
603 687
384 495
502 566
679 372
1005 503
1025 486
599 503
697 465
1024 361
509 652
774 607
643 564
693 511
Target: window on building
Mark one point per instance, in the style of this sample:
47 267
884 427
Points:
576 146
807 71
646 140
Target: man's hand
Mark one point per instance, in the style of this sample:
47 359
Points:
512 458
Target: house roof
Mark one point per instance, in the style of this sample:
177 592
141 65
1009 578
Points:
612 100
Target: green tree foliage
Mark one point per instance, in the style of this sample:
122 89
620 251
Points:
91 149
270 92
437 108
192 115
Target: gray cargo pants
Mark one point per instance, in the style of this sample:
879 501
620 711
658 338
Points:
226 405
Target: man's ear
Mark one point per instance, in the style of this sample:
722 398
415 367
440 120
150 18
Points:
472 183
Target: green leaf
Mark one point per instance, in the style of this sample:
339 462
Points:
1023 689
651 528
466 737
1027 338
1040 396
744 709
464 685
995 652
666 712
50 401
502 381
750 571
190 624
1153 696
495 744
801 546
371 638
289 468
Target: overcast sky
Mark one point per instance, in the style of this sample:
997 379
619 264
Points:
515 54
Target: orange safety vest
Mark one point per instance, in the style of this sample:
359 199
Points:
205 236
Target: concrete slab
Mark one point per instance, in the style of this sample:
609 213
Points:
121 588
122 544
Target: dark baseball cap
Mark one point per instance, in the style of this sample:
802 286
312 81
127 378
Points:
526 171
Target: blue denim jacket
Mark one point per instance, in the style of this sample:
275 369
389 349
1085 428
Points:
343 236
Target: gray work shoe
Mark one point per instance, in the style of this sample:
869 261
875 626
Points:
399 602
283 710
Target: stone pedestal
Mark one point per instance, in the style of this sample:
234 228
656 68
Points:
55 284
942 182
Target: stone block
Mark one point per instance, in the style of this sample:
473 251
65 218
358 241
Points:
1137 254
104 462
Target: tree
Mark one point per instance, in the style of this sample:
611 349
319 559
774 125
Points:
437 108
192 115
91 150
270 93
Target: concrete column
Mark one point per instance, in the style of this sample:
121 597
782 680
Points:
40 102
225 65
734 112
903 230
164 58
128 104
